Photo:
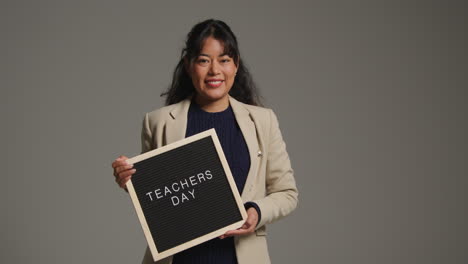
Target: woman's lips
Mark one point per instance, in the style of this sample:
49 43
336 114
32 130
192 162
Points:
214 83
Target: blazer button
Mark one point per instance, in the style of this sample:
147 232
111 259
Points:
259 153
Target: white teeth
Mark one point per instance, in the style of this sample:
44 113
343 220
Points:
214 82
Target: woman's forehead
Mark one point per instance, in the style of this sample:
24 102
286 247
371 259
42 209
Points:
215 47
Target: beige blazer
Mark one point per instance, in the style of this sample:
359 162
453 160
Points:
270 182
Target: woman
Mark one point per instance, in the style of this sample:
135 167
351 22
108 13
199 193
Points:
211 88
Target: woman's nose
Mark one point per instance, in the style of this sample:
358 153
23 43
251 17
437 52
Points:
214 68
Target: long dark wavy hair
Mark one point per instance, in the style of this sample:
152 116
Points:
243 89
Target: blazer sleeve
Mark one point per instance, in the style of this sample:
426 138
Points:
281 191
146 136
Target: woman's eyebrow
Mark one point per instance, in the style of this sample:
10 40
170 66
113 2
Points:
203 54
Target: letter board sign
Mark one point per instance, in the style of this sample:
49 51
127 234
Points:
184 194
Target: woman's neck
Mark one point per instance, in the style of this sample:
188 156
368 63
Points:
213 106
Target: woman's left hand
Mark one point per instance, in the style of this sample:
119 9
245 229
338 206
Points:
247 228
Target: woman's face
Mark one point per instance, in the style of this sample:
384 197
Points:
212 72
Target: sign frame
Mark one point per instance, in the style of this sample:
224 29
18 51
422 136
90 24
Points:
157 255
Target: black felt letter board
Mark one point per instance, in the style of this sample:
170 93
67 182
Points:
184 193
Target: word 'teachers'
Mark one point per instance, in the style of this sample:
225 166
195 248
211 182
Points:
180 186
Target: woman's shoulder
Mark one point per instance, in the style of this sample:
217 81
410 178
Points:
160 112
167 111
255 110
261 113
264 117
260 110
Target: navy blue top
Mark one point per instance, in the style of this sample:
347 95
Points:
237 155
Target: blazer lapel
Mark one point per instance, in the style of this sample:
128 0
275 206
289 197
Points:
247 126
177 126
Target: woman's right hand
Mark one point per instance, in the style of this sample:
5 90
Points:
122 171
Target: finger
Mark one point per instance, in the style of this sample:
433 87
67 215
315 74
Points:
116 160
119 160
123 182
119 163
122 157
248 225
123 168
250 228
250 221
237 232
127 173
123 175
252 217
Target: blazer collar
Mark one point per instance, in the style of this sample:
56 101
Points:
180 109
177 128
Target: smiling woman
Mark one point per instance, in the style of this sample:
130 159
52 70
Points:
211 47
212 75
212 88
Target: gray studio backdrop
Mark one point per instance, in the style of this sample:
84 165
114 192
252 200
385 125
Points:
371 98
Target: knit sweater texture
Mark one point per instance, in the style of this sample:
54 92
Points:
237 154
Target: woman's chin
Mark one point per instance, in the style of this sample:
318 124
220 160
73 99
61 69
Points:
213 96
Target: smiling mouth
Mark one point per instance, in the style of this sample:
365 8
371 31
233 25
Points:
214 83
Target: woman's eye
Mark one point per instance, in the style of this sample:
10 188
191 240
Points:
202 61
225 60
